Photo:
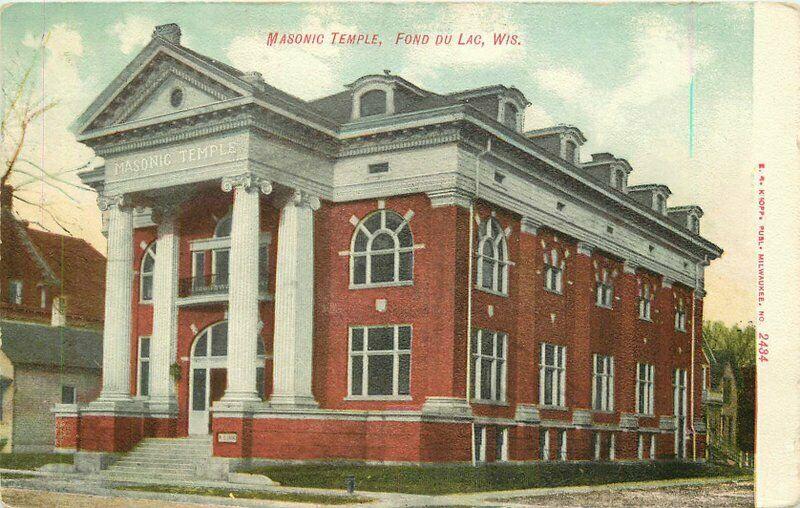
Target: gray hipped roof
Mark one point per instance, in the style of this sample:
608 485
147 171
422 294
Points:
56 346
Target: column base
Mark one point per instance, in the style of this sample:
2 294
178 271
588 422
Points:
166 407
293 401
113 407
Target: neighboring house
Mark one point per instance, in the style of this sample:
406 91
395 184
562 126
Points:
721 399
41 366
51 314
385 274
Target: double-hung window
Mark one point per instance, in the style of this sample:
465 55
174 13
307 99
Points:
380 361
544 444
645 382
645 301
603 386
489 365
492 257
680 316
604 291
15 292
68 394
552 375
144 366
553 272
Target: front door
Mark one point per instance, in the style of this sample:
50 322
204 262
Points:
208 377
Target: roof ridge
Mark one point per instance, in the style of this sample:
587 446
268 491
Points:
22 233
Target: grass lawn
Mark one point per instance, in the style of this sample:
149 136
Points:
464 478
32 460
248 494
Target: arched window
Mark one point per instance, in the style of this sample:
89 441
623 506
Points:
645 300
223 227
146 271
680 315
382 250
554 271
492 257
604 289
510 115
373 103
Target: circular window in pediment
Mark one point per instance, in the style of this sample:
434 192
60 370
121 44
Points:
176 97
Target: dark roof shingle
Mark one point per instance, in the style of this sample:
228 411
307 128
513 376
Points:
56 346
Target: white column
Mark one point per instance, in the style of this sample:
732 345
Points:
165 311
119 295
294 303
243 289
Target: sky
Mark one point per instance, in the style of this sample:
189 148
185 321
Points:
621 73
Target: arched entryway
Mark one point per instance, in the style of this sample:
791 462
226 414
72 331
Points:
208 373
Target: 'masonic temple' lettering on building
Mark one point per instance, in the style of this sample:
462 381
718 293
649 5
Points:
332 287
142 165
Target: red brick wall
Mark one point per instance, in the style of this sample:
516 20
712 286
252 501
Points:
436 306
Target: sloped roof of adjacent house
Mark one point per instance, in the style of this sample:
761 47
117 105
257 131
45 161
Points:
53 346
65 262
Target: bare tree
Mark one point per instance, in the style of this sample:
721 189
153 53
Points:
23 107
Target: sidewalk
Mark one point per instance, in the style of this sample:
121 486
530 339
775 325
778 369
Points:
70 483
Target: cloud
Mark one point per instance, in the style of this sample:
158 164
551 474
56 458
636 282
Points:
133 32
48 143
307 71
537 118
425 62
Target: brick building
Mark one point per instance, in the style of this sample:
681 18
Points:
385 274
51 316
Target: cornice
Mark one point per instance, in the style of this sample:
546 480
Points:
400 140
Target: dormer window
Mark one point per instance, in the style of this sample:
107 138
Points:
618 179
659 203
373 103
570 148
694 223
510 115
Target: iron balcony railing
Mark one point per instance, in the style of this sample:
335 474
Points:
210 284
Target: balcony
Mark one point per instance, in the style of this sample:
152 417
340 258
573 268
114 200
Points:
211 288
712 397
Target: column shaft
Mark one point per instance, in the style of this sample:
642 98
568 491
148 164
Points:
243 295
294 304
118 301
165 314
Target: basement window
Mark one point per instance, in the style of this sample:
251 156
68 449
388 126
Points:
381 167
68 394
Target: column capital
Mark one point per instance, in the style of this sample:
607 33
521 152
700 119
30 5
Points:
585 249
667 282
107 201
305 199
247 182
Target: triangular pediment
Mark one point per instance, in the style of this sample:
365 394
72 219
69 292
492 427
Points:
163 79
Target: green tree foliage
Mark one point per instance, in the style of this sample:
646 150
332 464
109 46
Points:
731 343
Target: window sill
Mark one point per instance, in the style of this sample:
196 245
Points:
487 402
146 302
649 320
645 415
682 330
378 398
556 408
604 411
491 291
553 291
374 285
608 307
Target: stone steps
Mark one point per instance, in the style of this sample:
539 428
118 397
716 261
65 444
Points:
161 459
